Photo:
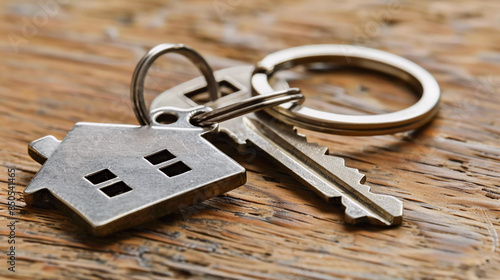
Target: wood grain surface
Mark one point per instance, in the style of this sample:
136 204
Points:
64 61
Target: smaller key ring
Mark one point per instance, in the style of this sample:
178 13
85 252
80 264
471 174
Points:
249 105
344 55
137 84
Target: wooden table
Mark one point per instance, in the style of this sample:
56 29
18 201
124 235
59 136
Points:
66 61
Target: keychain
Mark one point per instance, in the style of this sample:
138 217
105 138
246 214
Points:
115 176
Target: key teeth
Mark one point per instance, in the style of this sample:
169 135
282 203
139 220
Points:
354 214
361 178
316 148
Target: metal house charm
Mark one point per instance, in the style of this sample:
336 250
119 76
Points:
114 176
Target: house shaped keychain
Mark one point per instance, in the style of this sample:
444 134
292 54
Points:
113 176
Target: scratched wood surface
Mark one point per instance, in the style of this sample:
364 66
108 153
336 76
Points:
67 61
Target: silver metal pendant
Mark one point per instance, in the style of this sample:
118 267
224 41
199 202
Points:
115 176
112 176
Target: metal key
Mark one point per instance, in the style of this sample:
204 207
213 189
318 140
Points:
307 162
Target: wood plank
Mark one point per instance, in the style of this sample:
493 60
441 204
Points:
75 65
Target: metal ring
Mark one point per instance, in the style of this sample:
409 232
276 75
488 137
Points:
344 55
137 84
247 106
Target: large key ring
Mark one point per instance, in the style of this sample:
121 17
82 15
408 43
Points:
344 55
137 84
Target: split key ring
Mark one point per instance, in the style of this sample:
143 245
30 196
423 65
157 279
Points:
211 117
344 55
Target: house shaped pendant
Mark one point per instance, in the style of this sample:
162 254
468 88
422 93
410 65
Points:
113 176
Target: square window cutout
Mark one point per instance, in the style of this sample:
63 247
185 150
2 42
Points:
115 189
159 157
175 169
100 176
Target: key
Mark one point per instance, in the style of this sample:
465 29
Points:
115 176
307 162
